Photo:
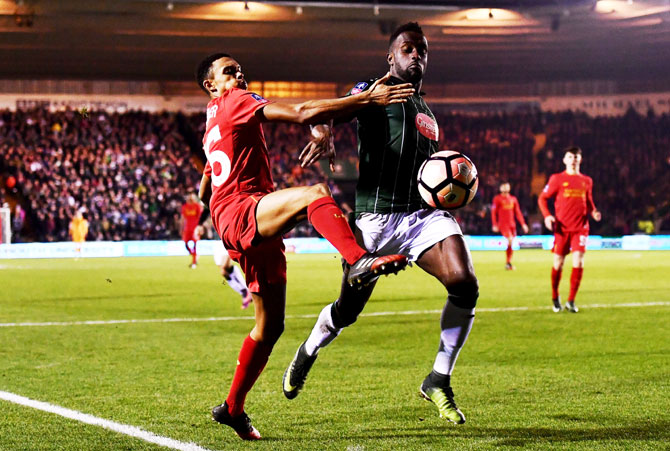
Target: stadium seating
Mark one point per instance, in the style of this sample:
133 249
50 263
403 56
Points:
130 171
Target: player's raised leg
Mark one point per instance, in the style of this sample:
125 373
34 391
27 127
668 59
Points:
282 210
450 262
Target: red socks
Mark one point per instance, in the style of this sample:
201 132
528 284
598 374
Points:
194 255
331 223
509 253
575 280
555 280
250 363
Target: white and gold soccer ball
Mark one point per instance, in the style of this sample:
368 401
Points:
448 180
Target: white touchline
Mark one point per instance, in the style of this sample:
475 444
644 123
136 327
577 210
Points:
308 316
107 424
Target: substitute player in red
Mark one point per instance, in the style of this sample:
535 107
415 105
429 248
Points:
505 211
190 217
250 216
573 203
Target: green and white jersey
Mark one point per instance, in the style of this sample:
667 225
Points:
393 142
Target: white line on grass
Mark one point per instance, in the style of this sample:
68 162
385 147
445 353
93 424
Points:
107 424
237 318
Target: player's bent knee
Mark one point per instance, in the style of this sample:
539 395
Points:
344 316
319 190
271 332
464 291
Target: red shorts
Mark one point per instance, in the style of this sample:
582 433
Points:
189 235
564 242
263 261
507 231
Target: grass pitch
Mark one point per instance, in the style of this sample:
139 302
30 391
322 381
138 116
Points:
526 378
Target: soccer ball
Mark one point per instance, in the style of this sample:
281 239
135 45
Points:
448 180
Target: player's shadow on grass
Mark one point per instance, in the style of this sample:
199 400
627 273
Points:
513 436
520 436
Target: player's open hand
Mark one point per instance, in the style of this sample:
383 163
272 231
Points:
525 228
549 222
595 214
382 94
322 145
495 229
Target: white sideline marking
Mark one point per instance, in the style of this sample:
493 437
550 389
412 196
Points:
237 318
95 421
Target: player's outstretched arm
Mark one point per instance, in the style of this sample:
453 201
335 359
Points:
320 111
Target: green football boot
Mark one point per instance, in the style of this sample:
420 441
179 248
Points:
443 398
296 373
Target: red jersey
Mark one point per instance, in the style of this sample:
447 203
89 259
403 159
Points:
505 207
573 200
237 156
191 212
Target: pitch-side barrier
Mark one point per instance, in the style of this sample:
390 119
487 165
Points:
97 249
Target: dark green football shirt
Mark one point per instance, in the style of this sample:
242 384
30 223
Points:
393 142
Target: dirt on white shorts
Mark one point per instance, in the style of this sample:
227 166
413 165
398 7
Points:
410 234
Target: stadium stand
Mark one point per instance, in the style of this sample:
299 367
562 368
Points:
130 171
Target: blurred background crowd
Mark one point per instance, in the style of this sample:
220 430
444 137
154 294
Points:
129 173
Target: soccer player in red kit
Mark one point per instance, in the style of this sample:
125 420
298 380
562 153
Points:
573 194
250 216
505 211
190 215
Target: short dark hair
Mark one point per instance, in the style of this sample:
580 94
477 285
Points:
409 26
202 72
573 150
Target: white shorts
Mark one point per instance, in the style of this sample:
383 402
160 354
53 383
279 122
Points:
220 253
409 234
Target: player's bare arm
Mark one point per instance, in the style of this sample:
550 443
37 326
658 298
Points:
205 191
320 111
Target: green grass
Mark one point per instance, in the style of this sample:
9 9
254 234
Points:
533 379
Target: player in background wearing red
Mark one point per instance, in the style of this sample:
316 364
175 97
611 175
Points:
190 216
504 209
573 194
250 216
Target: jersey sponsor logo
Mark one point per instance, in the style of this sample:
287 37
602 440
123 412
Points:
258 98
358 88
427 126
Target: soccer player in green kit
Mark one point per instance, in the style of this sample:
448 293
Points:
391 218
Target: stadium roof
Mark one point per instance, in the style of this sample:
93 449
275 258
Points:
336 41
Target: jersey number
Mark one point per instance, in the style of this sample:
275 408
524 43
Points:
216 156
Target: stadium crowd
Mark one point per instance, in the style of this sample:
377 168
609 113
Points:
129 172
126 172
